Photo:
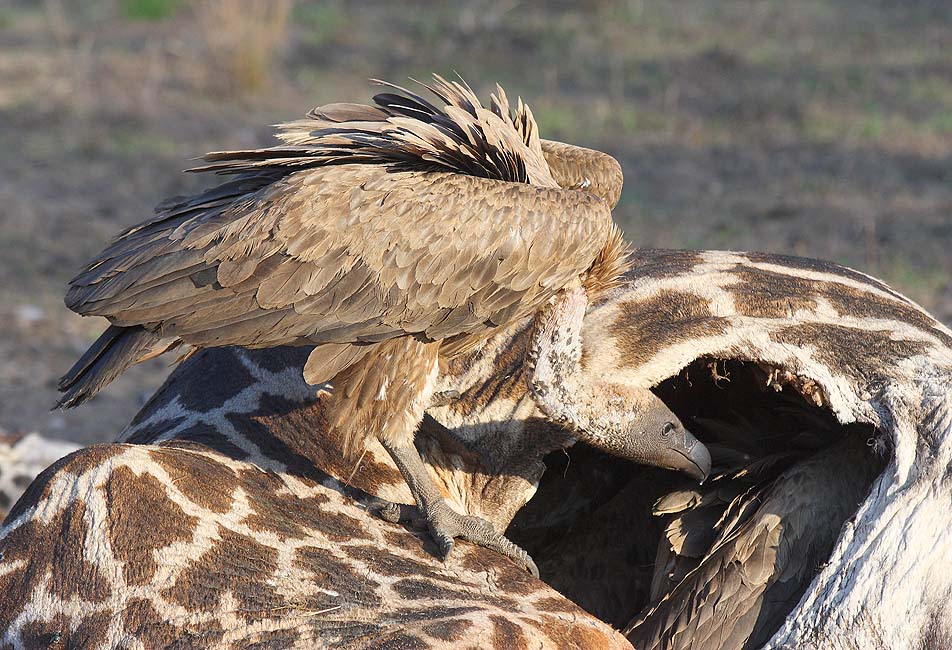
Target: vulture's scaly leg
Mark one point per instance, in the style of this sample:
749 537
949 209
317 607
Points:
622 420
444 523
386 392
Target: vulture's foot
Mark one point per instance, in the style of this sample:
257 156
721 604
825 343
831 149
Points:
444 523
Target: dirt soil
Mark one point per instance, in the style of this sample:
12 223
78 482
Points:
811 128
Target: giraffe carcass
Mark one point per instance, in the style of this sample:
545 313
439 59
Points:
194 528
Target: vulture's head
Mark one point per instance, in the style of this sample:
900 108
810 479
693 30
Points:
650 433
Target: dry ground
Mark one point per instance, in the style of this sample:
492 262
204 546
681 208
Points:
814 128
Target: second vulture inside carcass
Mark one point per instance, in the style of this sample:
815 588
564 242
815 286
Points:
393 238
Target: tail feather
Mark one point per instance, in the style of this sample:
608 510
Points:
113 352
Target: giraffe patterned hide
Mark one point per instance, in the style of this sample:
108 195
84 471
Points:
848 343
226 517
196 542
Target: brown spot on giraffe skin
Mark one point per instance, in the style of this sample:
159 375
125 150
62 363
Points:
154 431
291 516
208 483
4 501
53 555
76 463
141 524
819 266
57 633
406 542
556 605
353 634
508 577
335 574
569 634
449 630
431 613
765 294
237 564
507 634
506 379
271 640
45 634
287 516
222 377
863 354
419 589
140 619
645 327
387 563
402 641
661 263
211 438
298 434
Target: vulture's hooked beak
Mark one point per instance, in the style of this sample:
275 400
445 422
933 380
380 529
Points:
689 455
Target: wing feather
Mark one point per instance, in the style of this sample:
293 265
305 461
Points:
353 250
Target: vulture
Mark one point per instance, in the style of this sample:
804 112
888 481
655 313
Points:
390 237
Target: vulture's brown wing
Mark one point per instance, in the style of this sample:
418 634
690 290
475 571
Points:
345 254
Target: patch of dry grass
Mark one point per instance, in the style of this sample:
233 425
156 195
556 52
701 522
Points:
243 39
813 128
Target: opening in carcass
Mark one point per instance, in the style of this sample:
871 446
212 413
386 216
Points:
626 541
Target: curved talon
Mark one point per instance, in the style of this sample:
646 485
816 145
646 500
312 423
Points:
397 513
516 554
445 525
389 511
444 543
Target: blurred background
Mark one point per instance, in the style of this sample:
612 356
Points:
812 128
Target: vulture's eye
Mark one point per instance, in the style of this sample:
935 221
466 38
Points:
667 429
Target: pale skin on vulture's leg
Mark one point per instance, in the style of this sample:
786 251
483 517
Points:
624 421
443 522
